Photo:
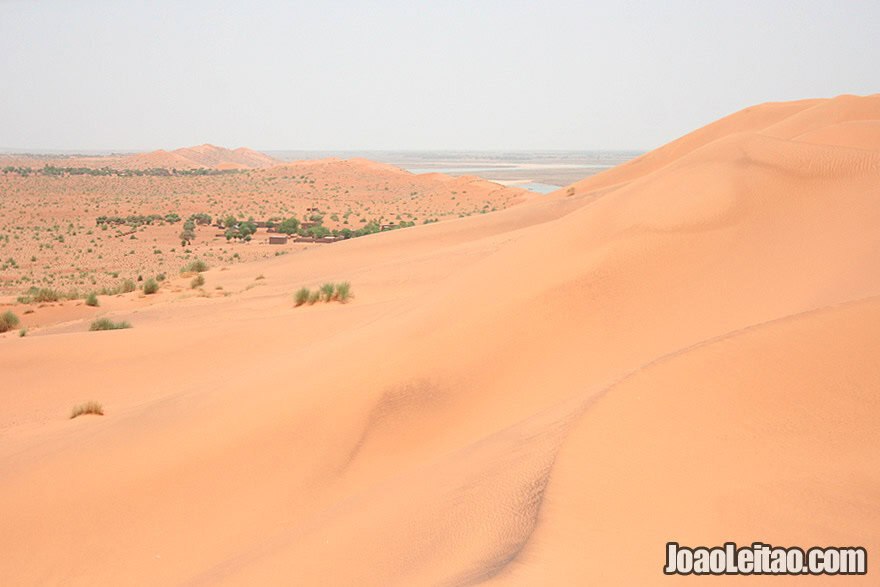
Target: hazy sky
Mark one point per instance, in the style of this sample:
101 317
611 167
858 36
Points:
414 75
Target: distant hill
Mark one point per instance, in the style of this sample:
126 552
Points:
209 156
202 156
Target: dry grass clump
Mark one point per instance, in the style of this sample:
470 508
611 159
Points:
339 292
151 286
327 291
87 408
8 321
301 296
343 292
197 266
107 324
197 281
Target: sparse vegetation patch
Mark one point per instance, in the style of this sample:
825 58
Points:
107 324
339 292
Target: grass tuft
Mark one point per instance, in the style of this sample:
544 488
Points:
301 296
327 292
340 292
8 321
87 408
151 286
92 299
343 292
107 324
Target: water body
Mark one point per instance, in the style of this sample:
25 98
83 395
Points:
500 168
538 188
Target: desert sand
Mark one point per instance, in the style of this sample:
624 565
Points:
683 347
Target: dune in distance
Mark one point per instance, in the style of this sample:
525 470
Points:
680 348
202 156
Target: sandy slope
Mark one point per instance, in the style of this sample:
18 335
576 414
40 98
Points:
683 350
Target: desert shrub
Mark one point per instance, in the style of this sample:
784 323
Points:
127 286
314 296
196 266
197 281
343 292
8 320
151 286
107 324
160 277
301 296
45 295
24 300
22 333
327 292
87 408
92 299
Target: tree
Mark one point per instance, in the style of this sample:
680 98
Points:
318 231
289 226
247 228
189 232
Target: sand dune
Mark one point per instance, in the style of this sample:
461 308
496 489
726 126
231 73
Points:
685 349
210 156
202 156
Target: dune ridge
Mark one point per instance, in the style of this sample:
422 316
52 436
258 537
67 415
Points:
680 348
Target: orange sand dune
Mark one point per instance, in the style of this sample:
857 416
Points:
861 134
156 159
777 119
210 156
684 350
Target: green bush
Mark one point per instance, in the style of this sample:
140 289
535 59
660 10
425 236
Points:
343 292
151 286
327 292
107 324
314 297
301 296
92 299
196 266
197 281
127 286
8 321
